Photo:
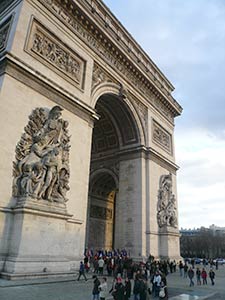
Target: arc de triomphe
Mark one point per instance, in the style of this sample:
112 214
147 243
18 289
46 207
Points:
87 143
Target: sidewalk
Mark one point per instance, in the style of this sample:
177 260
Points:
70 288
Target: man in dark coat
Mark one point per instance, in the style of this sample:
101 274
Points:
95 291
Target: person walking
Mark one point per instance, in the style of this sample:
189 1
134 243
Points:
163 294
137 288
204 276
103 288
157 283
127 289
212 276
185 270
118 293
181 268
198 276
81 271
100 266
95 291
191 275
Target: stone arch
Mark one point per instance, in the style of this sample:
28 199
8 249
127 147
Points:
114 89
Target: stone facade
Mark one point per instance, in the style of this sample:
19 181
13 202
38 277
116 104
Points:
88 123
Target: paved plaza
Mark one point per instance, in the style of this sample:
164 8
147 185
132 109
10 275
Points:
70 288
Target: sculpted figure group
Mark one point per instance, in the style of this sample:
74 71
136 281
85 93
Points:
166 212
41 169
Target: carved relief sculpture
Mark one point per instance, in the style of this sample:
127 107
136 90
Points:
166 210
41 170
161 137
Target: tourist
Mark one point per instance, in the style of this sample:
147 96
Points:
95 291
204 276
100 265
136 288
81 271
143 288
212 276
198 276
163 293
181 268
118 293
191 275
127 289
157 283
103 288
185 270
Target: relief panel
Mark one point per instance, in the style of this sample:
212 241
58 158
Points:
47 48
161 137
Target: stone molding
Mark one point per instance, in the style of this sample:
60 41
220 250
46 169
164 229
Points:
4 32
89 33
24 73
99 76
161 137
43 45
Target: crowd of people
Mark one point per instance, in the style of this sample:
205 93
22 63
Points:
147 278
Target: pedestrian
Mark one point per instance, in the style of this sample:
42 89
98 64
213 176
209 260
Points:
185 270
95 291
181 268
143 288
103 288
204 276
118 293
198 276
127 289
217 264
101 266
212 276
81 271
157 283
136 288
163 293
191 275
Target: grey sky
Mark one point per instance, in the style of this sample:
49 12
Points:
186 39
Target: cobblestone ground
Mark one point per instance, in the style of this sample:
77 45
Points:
71 289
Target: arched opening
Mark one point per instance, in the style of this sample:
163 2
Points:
114 133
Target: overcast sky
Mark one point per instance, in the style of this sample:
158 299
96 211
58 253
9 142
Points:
186 39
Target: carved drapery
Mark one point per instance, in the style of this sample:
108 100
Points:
166 210
41 169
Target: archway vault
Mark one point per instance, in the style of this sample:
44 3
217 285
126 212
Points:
115 131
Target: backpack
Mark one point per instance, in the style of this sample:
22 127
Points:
162 293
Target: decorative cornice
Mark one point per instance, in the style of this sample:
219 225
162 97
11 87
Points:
140 72
14 67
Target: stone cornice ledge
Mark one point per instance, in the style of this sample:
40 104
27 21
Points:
10 64
156 154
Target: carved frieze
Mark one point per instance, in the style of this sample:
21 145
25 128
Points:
114 58
166 210
100 212
41 169
161 137
4 32
44 46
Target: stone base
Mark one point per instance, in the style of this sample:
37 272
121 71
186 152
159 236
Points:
43 275
169 238
43 241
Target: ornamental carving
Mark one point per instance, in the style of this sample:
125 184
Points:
142 112
166 210
99 76
101 212
105 50
161 137
4 32
45 47
41 169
